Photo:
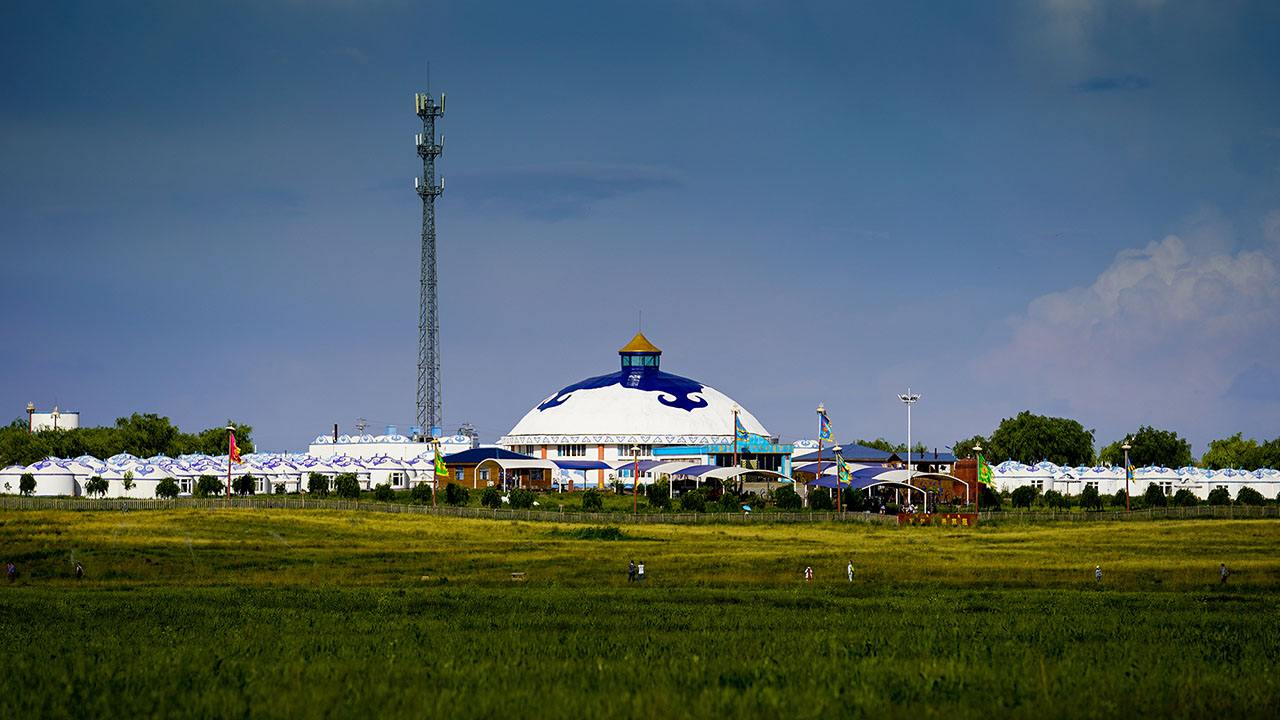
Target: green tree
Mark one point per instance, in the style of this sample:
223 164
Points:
382 492
1120 498
592 502
1185 498
694 501
521 499
990 500
1219 496
318 484
1030 438
347 486
421 494
786 498
820 501
167 489
917 450
208 486
27 483
491 497
244 485
1248 496
126 482
1056 500
1090 499
1234 452
1023 496
964 448
729 501
1149 446
658 494
1154 496
96 485
456 495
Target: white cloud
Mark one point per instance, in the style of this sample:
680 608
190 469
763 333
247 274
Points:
1160 336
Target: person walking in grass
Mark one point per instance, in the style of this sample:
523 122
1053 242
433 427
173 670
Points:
79 571
849 570
1223 572
640 572
11 571
808 573
631 571
1097 574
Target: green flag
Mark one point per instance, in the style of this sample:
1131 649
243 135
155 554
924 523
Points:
984 473
441 470
842 471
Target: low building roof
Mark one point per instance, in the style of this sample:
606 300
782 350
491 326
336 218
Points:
476 455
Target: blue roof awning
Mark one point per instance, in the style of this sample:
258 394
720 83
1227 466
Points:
695 471
582 465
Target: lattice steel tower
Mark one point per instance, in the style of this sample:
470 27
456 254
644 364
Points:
429 403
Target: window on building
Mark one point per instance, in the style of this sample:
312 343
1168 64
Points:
482 474
397 479
1037 484
624 451
571 450
1167 487
1092 484
460 474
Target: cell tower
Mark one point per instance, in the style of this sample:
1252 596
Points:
429 402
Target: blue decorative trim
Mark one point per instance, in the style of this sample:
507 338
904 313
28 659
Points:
675 391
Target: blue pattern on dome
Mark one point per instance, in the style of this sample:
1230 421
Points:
676 392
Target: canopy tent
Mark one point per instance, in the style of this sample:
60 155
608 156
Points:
582 465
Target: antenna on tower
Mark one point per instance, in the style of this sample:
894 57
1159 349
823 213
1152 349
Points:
430 412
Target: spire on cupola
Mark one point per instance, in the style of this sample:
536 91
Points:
639 353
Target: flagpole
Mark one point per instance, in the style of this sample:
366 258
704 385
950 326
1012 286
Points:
822 412
977 499
231 438
735 436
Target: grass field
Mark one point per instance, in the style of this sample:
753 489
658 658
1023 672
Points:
325 613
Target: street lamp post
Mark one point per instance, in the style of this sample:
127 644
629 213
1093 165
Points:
231 429
1126 446
635 480
977 498
31 415
435 475
822 413
910 399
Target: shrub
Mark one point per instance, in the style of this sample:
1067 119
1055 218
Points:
383 493
1090 499
658 494
819 500
521 499
1118 500
420 494
346 485
729 502
27 483
1219 496
318 484
1154 496
167 489
491 497
1024 496
1056 500
208 486
455 494
694 501
592 502
1248 496
280 489
992 501
786 498
243 485
126 481
1185 498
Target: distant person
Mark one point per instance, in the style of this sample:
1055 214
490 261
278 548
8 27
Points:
640 572
11 571
1223 572
631 571
808 573
1097 574
79 571
849 570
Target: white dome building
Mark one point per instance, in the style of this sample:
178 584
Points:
602 418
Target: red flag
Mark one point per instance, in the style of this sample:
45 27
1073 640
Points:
233 451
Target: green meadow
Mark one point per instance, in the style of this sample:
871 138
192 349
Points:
218 613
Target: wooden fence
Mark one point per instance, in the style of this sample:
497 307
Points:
273 502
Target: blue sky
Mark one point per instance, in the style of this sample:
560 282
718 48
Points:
1067 206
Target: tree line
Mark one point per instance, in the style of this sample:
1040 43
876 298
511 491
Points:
141 434
1030 438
